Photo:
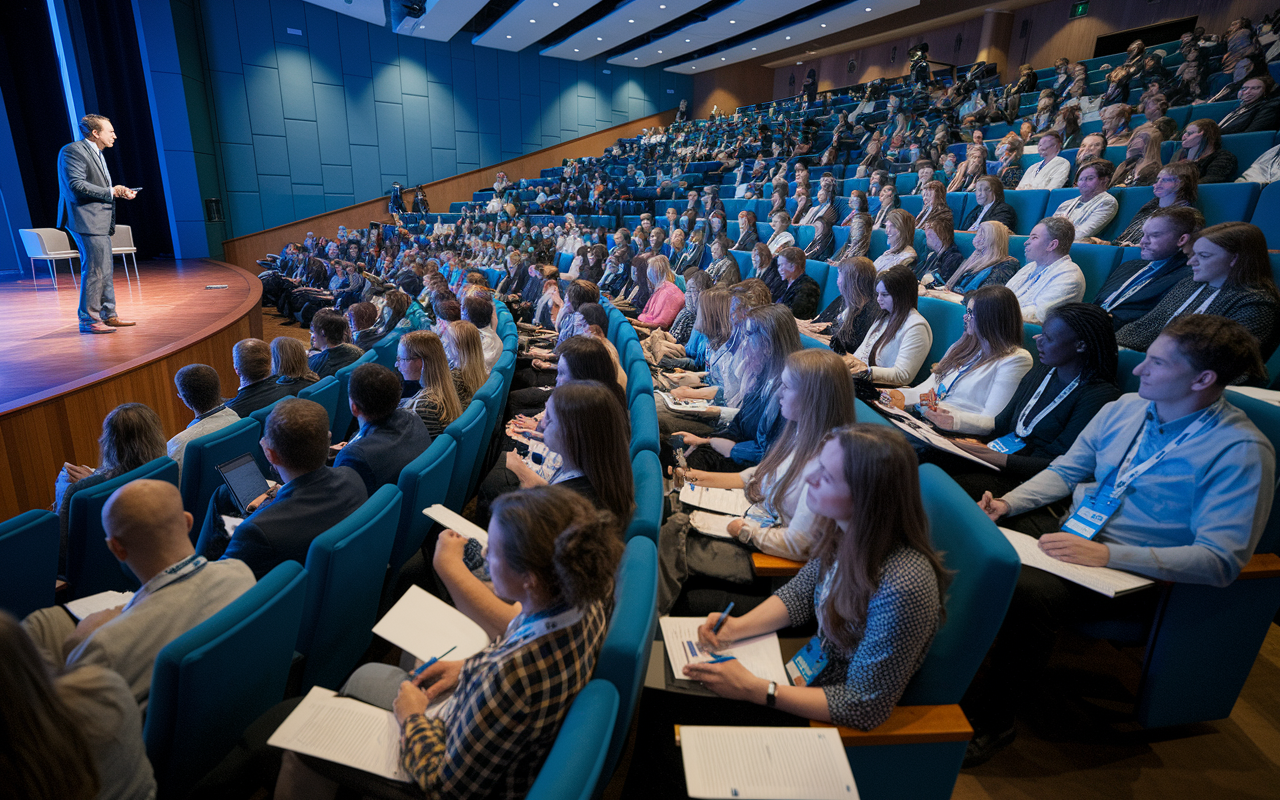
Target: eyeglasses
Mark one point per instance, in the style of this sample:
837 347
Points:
968 313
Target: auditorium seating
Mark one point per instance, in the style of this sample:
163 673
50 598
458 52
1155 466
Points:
28 561
200 460
326 392
575 765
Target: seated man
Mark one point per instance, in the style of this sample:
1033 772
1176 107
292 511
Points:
148 531
1050 277
1094 207
251 359
1052 171
1186 481
312 499
1133 288
200 390
329 335
389 437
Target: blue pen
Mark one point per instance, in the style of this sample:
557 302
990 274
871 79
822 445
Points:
723 616
431 661
722 659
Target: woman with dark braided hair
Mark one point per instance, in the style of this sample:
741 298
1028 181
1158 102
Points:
1075 378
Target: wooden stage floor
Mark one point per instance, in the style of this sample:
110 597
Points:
47 355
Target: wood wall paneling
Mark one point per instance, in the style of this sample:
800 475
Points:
729 88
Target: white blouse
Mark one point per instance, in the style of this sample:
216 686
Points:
983 392
903 355
795 529
889 258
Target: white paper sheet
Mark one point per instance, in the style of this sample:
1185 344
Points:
1111 582
683 405
925 432
722 501
712 524
344 731
746 763
424 625
761 655
94 603
457 522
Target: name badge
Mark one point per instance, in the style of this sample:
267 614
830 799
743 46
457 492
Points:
1009 443
807 664
1092 515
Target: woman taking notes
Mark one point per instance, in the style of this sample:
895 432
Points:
873 583
899 340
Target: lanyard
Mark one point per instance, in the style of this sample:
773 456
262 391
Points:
533 629
1022 428
208 414
1125 474
1040 272
1133 285
1203 305
944 389
175 574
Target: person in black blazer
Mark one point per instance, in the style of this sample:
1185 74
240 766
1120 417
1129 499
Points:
944 256
388 437
251 360
1135 287
798 291
311 499
747 235
990 205
1259 108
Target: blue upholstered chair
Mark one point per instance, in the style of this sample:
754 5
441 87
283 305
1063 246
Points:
639 379
468 431
423 482
326 392
946 319
260 416
342 418
347 565
576 762
244 650
28 562
1030 206
200 460
646 471
644 425
91 567
1096 262
386 349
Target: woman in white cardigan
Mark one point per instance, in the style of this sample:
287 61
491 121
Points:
900 337
977 377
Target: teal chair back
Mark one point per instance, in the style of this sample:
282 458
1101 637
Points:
261 417
1227 202
1029 204
342 418
492 396
576 762
91 568
468 431
946 320
984 569
423 482
347 565
28 562
200 460
245 650
385 350
639 379
644 425
1096 262
1128 361
646 472
325 392
624 656
1267 417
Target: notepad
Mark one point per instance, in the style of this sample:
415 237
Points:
94 603
761 655
721 501
345 731
457 522
709 523
925 432
753 763
1104 580
425 626
683 405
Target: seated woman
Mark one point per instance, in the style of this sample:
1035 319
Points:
588 356
1009 153
974 167
462 348
900 337
989 265
421 358
900 232
823 243
1202 146
934 194
877 618
665 297
845 322
944 256
1230 277
690 257
816 397
1176 184
1142 159
710 364
1115 122
889 203
798 291
989 204
782 236
289 364
770 336
1055 400
723 269
979 373
553 559
635 293
859 224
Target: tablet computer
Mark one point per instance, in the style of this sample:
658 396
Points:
244 479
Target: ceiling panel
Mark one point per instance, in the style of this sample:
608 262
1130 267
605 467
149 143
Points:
732 21
528 21
443 19
371 11
848 16
625 23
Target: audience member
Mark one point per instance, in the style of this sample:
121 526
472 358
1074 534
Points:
900 234
329 336
421 358
988 265
898 342
989 206
1177 185
1202 146
1052 170
1050 277
1134 288
251 359
465 354
388 437
289 364
798 292
1094 208
200 390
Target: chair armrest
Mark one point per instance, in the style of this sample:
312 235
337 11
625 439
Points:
766 565
1262 565
909 725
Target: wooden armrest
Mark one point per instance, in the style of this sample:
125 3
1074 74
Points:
1262 565
59 585
774 566
910 725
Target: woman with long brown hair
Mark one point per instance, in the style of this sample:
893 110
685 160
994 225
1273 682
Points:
859 223
1202 146
979 373
1176 184
873 583
846 321
289 364
900 337
463 349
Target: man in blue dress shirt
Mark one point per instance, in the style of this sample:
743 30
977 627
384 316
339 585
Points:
389 437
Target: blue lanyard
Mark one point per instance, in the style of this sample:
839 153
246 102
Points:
944 388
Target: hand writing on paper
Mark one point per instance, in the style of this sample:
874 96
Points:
993 507
1075 549
439 678
729 679
893 398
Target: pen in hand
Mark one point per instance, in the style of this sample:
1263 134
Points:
431 661
723 616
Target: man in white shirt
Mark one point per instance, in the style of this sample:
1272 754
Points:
1050 277
1265 169
1095 207
200 390
1053 169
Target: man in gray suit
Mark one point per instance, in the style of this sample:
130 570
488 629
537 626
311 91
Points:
88 207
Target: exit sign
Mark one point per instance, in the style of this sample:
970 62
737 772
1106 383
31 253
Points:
1079 9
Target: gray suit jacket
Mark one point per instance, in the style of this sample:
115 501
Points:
86 203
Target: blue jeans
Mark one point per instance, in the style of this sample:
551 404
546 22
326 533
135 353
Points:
97 289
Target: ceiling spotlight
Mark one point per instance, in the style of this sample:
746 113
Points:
661 6
637 58
824 24
788 38
555 5
631 20
508 36
868 8
598 39
692 67
533 20
686 40
659 52
753 48
722 58
733 22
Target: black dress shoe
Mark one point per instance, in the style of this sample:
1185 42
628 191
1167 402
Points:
986 744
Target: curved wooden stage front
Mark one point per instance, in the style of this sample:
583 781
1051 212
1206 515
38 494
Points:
57 385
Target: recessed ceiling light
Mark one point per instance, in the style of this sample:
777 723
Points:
788 38
722 58
631 20
508 36
733 22
659 52
686 40
824 24
692 67
753 48
598 39
661 6
533 20
637 58
555 5
868 9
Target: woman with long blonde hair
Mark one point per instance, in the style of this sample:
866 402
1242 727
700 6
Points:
1142 159
463 349
990 263
421 358
900 231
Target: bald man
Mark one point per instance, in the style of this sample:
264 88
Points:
148 531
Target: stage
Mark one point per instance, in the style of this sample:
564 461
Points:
58 383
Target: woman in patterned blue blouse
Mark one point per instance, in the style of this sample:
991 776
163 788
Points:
873 582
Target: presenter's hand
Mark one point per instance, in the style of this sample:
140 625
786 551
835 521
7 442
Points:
993 507
729 679
1075 549
123 191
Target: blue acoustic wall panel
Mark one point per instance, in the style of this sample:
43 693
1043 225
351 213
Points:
312 110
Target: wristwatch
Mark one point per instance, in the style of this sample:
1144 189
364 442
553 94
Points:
771 695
